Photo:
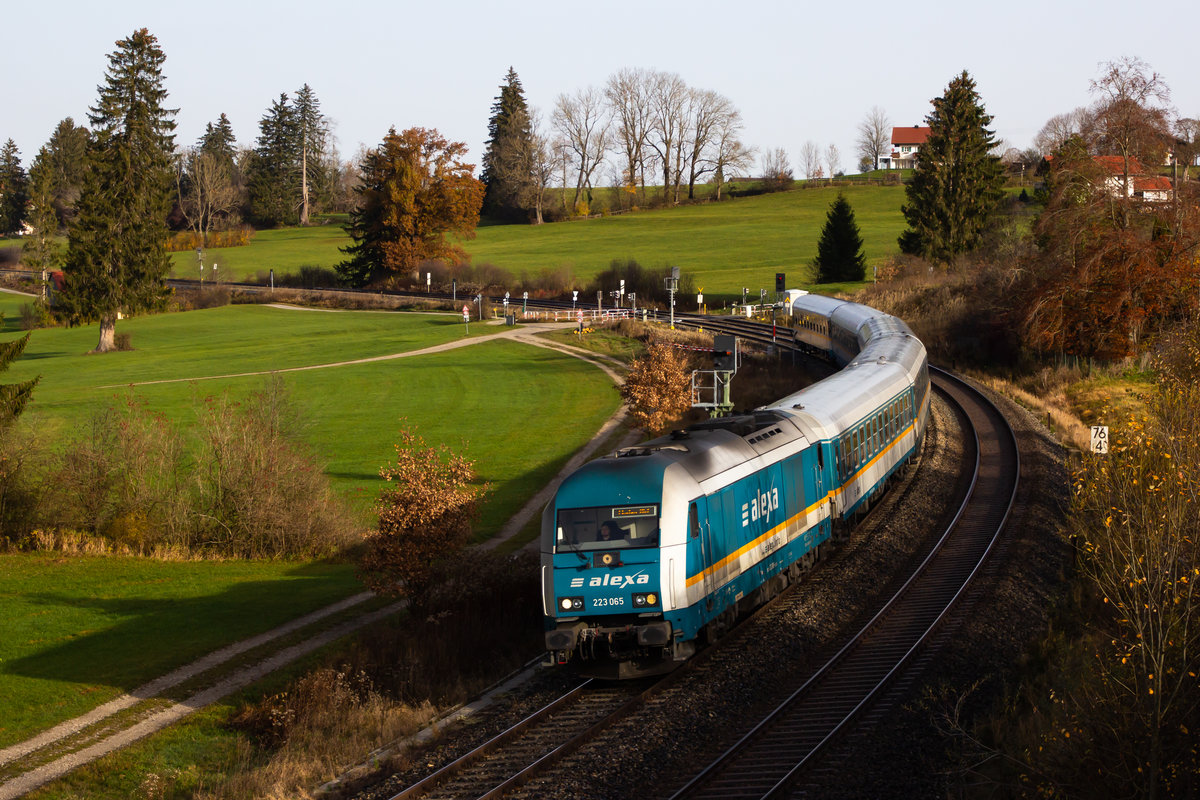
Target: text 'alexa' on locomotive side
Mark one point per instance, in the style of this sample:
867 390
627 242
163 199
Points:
650 549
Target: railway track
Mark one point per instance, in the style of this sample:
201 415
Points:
778 752
524 750
771 760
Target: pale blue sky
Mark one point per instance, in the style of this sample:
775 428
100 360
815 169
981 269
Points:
797 71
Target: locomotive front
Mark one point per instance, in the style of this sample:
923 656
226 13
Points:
602 574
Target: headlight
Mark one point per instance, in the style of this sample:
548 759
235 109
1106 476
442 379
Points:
644 599
571 604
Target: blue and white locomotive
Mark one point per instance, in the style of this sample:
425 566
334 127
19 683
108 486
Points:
649 549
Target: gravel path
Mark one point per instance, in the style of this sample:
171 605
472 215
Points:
138 727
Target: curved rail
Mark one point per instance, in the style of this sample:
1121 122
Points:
769 759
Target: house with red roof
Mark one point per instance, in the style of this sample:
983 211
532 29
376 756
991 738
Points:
905 144
1142 182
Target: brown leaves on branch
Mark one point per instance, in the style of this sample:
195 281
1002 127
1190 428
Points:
658 389
425 516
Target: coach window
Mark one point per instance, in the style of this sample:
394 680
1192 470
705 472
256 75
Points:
693 521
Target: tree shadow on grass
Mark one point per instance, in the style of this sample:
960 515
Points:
156 635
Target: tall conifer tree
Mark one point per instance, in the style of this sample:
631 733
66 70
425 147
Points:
13 396
958 182
505 169
40 251
117 258
65 157
312 131
274 170
219 140
839 250
14 190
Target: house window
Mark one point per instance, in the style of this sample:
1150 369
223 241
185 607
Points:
906 149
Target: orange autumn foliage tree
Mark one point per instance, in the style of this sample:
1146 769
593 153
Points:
658 389
416 191
1109 269
425 516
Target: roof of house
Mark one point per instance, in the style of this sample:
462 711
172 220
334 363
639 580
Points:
915 134
1156 183
1115 165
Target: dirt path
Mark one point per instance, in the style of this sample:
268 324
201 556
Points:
135 727
508 333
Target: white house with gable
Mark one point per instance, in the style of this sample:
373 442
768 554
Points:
905 144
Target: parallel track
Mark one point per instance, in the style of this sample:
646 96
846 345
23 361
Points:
775 755
769 760
521 752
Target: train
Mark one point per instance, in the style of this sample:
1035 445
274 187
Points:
655 549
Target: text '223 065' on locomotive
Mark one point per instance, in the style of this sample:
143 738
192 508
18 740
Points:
650 549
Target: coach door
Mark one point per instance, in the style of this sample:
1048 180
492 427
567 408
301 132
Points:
700 529
820 496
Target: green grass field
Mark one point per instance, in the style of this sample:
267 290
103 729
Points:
476 398
79 631
285 250
723 246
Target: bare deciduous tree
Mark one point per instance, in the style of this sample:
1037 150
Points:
668 109
833 160
777 172
709 112
628 95
538 160
205 188
728 153
874 137
582 121
1061 127
810 160
1187 143
1131 112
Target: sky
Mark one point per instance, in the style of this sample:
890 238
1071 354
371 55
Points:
798 71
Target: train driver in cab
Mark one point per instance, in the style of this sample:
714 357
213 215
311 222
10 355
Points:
610 532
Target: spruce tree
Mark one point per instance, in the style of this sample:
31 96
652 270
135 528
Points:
219 140
66 161
14 190
312 132
40 251
958 182
839 250
274 169
117 259
505 168
13 396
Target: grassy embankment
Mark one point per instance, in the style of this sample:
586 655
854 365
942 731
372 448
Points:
723 246
470 398
81 629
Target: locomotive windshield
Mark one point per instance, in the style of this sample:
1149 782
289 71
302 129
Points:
607 527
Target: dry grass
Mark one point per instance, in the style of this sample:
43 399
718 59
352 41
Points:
1054 408
393 680
328 720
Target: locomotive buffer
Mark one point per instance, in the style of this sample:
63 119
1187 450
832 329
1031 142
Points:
710 388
